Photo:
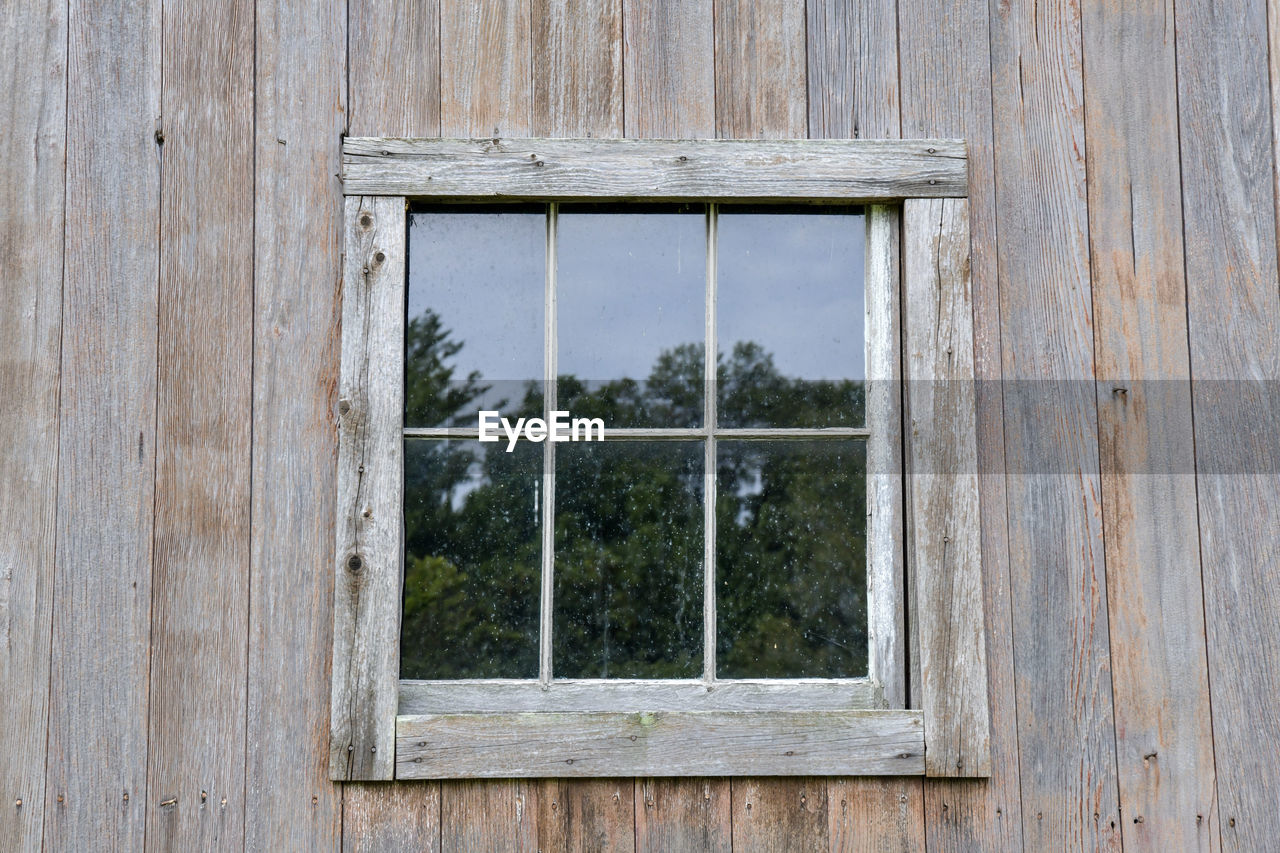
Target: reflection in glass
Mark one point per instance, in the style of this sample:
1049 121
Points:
628 562
791 559
630 306
790 317
474 338
472 560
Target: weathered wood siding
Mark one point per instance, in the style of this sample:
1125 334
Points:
169 348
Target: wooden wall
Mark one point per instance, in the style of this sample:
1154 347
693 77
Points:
168 362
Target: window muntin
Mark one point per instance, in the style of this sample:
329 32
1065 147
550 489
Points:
739 551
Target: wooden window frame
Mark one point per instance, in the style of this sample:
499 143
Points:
918 299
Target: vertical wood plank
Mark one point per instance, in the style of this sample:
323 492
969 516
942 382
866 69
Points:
488 816
1164 740
389 817
786 815
367 567
669 69
585 815
300 105
1233 314
33 96
853 92
760 69
199 594
394 71
486 82
577 68
1057 575
853 69
942 456
867 814
946 90
97 763
683 814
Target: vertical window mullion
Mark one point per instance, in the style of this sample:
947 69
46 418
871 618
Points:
710 391
549 403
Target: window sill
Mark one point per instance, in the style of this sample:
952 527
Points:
660 743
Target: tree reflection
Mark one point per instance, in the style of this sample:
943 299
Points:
790 546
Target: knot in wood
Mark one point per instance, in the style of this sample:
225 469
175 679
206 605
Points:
354 563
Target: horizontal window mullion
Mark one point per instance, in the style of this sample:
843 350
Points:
664 433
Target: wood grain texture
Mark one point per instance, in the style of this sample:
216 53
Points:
847 170
781 815
394 70
886 580
96 784
199 592
33 94
679 743
379 817
868 814
486 71
488 816
367 563
427 697
945 68
584 816
942 486
760 69
1066 736
669 69
1233 316
683 814
577 67
300 103
1164 738
853 70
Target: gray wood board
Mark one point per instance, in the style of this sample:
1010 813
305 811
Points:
435 697
1233 313
367 560
1062 661
669 69
1160 678
394 76
300 106
33 93
760 69
200 589
942 485
833 170
486 74
96 785
577 68
377 817
715 743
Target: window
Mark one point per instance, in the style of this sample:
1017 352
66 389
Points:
719 585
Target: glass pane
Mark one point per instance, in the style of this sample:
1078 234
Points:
472 560
631 308
791 559
628 568
790 317
474 338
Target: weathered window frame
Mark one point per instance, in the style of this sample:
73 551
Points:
918 293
